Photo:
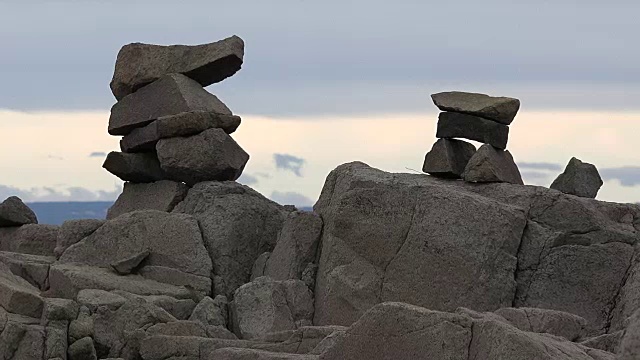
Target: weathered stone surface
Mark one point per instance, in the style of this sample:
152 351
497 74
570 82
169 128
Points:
489 164
22 339
35 239
265 306
208 156
296 247
183 124
252 354
237 225
606 342
132 233
401 331
628 300
59 309
56 340
17 295
13 212
178 328
82 326
500 109
448 158
219 332
455 125
169 95
72 231
578 178
211 312
328 342
161 347
560 323
161 195
181 309
139 64
94 298
128 265
83 349
258 267
173 276
33 268
303 340
630 343
136 167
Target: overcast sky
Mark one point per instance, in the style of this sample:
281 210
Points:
359 65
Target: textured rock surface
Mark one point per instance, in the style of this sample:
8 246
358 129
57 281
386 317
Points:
211 312
138 167
59 309
56 343
448 158
22 339
129 264
210 155
72 231
183 124
17 295
13 212
33 268
489 164
169 95
630 343
578 178
139 64
253 354
455 125
35 239
569 326
237 224
160 195
83 349
500 109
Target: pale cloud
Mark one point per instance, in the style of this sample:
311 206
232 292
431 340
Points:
539 166
289 163
98 154
51 194
627 175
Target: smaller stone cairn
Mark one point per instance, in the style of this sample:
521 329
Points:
477 117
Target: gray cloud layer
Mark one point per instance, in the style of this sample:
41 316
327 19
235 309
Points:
289 163
46 194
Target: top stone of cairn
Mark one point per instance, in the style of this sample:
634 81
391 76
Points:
499 109
140 64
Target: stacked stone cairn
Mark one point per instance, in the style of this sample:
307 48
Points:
477 117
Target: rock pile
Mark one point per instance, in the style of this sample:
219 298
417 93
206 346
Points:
475 117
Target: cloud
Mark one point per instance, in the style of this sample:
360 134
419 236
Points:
291 198
540 166
54 157
289 163
534 175
627 175
98 154
247 179
50 194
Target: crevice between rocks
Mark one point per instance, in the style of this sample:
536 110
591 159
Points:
616 298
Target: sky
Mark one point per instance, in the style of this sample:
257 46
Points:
324 83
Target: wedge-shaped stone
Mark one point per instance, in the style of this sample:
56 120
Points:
209 156
33 268
500 109
17 295
35 239
489 164
579 178
170 95
13 212
128 265
138 167
139 64
72 231
211 312
183 124
161 195
455 125
448 158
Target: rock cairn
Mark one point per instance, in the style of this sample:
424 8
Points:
477 117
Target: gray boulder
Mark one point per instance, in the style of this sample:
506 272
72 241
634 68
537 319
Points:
137 167
456 125
630 343
17 295
56 339
22 339
83 349
628 300
578 178
448 158
33 268
211 312
72 231
181 308
161 195
183 124
178 328
500 109
59 309
489 164
605 342
258 267
169 95
13 212
237 224
82 326
95 298
210 155
560 323
139 64
169 275
35 239
128 265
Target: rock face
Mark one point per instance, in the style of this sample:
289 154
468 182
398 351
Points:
35 239
456 125
209 156
448 158
560 323
13 212
489 164
17 295
630 344
161 195
500 109
140 64
578 178
169 95
138 167
72 231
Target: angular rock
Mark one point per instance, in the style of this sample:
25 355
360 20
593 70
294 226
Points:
559 323
455 125
128 265
82 326
578 178
59 309
265 306
606 342
17 295
181 309
448 158
35 239
33 268
219 332
13 212
237 224
173 276
183 124
500 109
94 298
56 339
628 300
72 231
83 349
211 155
21 339
137 167
260 264
139 64
296 247
211 312
489 164
161 195
171 94
630 343
178 328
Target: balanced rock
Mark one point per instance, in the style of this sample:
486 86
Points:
161 195
138 167
456 125
579 178
183 124
489 164
13 212
170 95
500 109
448 158
139 64
210 155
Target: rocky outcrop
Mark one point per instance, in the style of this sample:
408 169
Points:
35 239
